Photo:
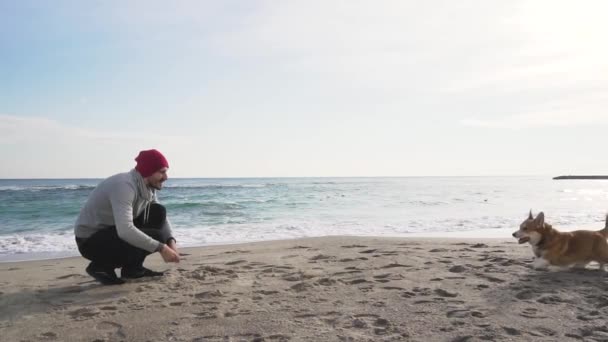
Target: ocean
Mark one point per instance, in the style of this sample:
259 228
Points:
38 215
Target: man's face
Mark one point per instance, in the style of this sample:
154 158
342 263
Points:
157 179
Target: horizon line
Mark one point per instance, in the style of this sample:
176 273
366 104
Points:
270 177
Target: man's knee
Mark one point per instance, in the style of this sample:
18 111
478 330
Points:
158 212
153 217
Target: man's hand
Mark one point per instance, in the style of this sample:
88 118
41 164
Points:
173 245
168 254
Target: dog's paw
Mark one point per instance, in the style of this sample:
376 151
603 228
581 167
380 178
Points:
540 264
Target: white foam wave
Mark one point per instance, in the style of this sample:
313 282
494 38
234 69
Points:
51 244
45 187
14 244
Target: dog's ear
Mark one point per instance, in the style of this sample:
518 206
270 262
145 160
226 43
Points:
530 217
540 219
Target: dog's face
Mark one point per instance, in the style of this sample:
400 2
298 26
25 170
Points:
531 230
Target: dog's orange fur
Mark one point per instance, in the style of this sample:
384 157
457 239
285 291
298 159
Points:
555 248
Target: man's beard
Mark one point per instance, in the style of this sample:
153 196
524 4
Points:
157 187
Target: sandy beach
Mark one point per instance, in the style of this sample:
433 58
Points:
317 289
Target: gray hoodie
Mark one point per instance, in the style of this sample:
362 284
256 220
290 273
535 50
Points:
116 201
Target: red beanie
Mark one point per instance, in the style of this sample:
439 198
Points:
150 161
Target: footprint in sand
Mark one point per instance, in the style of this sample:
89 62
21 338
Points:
369 251
301 287
48 336
326 282
205 315
209 294
305 315
525 295
355 281
72 289
237 313
264 293
299 276
108 308
459 313
422 291
300 247
346 260
235 262
542 332
531 313
554 299
278 338
83 313
347 272
69 276
590 316
321 257
354 246
391 288
395 265
112 330
594 333
408 294
490 278
457 269
237 251
511 331
444 293
438 250
383 276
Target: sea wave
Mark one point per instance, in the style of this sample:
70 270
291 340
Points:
214 205
37 188
219 186
37 243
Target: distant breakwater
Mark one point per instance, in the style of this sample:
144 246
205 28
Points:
581 177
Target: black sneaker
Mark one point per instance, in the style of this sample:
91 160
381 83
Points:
104 276
139 272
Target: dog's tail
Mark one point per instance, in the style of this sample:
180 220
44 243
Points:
605 230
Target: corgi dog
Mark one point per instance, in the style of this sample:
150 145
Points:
554 248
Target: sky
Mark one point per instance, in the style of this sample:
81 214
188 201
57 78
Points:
304 88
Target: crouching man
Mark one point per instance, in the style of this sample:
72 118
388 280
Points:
122 223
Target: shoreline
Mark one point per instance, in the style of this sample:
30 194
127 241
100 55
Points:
458 236
336 288
499 233
473 234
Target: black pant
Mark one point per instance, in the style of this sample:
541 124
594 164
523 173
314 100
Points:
107 250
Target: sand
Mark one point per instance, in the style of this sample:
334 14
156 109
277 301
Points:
318 289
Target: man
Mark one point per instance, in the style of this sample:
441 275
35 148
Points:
121 223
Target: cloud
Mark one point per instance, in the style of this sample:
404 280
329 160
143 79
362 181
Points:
18 130
543 119
388 45
516 59
67 151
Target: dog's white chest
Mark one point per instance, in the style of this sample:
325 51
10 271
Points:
537 251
